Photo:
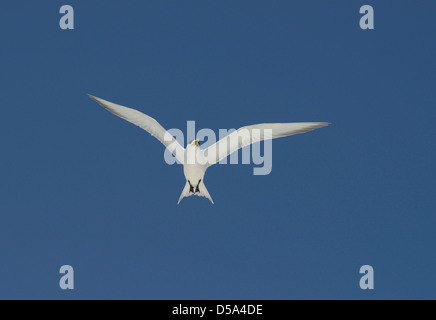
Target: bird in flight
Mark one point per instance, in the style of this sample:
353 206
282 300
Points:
195 160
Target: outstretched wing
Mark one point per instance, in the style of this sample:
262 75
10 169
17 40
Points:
255 133
147 123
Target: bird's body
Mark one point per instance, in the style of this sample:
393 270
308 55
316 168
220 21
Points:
194 172
195 160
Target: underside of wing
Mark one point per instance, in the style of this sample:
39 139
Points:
147 123
255 133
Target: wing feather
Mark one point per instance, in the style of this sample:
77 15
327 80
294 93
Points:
147 123
250 134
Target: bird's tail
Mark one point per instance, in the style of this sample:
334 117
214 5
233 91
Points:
201 192
185 192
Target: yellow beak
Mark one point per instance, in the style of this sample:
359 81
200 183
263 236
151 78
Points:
197 143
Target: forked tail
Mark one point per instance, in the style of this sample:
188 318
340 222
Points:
199 191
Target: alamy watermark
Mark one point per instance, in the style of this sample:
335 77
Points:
367 280
67 20
256 145
67 280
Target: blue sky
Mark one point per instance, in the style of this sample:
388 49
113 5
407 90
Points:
82 187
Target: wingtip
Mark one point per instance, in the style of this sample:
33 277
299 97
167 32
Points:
98 100
91 96
324 124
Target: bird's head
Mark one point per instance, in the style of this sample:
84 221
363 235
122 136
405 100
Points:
195 143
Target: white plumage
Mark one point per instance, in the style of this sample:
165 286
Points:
196 161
